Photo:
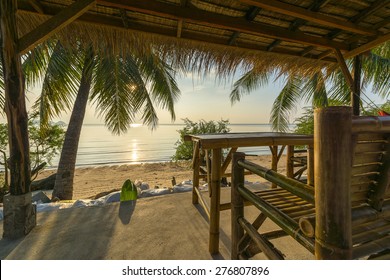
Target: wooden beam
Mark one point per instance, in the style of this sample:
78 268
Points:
370 45
315 6
378 4
179 28
124 18
294 11
249 16
345 70
117 23
221 21
37 6
46 29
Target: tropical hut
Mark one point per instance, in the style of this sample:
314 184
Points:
293 35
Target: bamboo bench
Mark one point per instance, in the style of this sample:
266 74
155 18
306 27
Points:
346 215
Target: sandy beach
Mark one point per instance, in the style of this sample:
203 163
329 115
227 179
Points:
90 182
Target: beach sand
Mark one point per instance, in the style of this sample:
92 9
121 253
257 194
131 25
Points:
90 182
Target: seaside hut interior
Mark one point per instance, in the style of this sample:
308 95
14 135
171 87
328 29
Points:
300 36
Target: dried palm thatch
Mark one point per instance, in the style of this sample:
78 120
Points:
222 35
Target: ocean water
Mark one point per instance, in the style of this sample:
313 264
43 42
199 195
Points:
98 146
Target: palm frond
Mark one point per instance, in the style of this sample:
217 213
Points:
60 84
377 72
164 90
314 89
113 91
248 82
286 101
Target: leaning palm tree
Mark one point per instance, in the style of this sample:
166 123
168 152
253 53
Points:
121 87
316 88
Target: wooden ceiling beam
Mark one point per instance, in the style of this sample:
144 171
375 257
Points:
117 23
378 4
37 6
345 70
370 45
294 11
60 20
221 21
249 16
124 18
315 6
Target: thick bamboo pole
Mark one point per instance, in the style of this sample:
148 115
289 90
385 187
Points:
290 163
333 160
215 197
195 174
274 167
237 204
265 246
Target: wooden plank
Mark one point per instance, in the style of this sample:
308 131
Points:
368 46
161 9
46 29
362 169
370 147
37 6
344 69
294 11
228 159
203 202
367 158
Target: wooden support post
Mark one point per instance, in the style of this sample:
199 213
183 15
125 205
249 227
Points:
290 163
215 187
20 215
274 167
237 204
310 165
195 174
333 164
357 75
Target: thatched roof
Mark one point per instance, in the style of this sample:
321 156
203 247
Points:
291 34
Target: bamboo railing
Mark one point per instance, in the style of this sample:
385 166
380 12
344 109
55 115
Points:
348 217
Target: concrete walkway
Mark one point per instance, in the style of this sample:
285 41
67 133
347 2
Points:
159 228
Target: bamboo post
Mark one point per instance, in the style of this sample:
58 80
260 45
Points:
195 174
237 204
310 165
290 164
333 160
274 165
215 187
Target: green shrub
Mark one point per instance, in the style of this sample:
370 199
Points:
184 149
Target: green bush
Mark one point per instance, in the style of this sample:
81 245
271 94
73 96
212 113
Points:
45 143
305 123
184 149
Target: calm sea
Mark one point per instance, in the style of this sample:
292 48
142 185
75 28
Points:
98 146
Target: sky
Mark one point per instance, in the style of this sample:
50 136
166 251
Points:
208 99
205 99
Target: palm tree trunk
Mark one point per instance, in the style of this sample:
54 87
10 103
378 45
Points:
63 188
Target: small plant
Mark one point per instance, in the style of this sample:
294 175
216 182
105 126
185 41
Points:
45 142
184 149
128 191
